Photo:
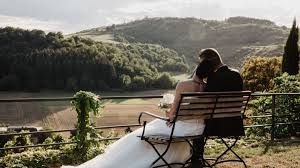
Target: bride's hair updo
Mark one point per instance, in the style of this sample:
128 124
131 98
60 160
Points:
204 69
211 55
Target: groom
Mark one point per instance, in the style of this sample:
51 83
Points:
221 79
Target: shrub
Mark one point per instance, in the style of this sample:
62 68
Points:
137 83
86 136
40 137
4 139
57 138
126 81
40 158
48 141
164 81
20 140
286 108
258 72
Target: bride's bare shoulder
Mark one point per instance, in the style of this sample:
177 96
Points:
185 84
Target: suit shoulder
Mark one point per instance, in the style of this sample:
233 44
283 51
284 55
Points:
234 70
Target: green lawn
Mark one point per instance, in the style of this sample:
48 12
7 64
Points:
257 154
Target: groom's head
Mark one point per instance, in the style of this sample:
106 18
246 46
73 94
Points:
211 55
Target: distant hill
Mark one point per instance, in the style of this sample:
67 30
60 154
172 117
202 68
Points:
235 37
35 60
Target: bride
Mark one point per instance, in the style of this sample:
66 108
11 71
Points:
131 152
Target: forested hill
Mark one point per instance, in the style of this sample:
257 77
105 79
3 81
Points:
234 37
34 60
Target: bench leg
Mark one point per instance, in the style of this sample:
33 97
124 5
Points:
229 148
160 155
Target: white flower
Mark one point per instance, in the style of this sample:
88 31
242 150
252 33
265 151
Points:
166 101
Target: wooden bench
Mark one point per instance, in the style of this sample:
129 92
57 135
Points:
218 109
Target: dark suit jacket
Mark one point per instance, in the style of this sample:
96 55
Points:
224 79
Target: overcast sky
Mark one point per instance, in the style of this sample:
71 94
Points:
74 15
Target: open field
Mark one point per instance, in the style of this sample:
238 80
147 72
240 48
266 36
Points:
108 38
60 115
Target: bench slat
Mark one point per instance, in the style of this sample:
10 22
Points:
204 111
212 100
222 106
207 116
211 106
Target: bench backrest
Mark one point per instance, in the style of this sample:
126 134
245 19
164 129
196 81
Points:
210 105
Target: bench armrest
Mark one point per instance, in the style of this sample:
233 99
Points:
152 115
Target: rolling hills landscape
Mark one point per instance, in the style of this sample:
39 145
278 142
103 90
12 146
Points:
132 51
121 84
235 37
142 57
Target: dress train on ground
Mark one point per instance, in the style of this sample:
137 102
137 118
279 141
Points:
131 152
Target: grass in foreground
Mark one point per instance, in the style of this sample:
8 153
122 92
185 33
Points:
284 154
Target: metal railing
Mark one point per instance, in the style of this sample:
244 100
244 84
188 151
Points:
68 130
64 130
273 114
272 125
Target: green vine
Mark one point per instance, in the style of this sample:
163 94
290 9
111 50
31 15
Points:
86 136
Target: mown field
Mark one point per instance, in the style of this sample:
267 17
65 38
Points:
60 115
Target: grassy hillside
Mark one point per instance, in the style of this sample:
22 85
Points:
235 37
265 51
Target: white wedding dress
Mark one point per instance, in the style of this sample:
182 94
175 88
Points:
131 152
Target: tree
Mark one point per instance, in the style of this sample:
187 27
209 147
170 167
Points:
126 81
258 72
33 60
164 81
137 83
290 61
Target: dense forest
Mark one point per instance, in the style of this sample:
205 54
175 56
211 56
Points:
235 37
35 60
